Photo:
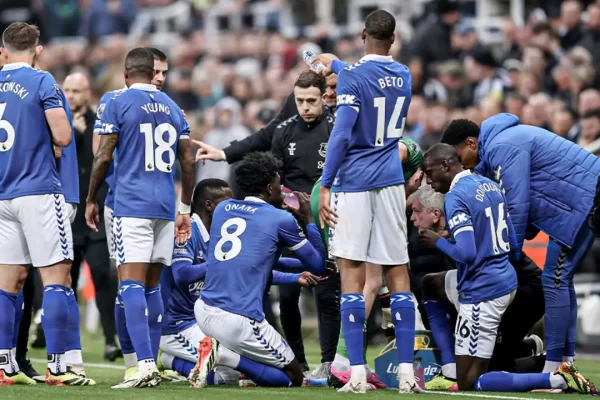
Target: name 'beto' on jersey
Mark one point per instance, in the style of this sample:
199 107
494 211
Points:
475 203
149 125
380 90
245 242
27 165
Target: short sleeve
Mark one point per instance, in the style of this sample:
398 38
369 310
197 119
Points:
184 252
110 118
290 233
458 215
99 112
348 93
184 130
49 91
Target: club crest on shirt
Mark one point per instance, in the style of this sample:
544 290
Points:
100 110
323 150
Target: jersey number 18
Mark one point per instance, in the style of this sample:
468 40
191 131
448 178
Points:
391 131
153 157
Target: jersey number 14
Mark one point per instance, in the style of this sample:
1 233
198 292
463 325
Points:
154 157
391 130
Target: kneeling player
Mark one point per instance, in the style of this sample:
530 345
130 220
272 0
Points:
247 237
486 281
182 282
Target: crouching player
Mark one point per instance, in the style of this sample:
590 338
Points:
183 281
247 237
486 281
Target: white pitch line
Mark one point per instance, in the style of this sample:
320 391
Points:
485 396
91 365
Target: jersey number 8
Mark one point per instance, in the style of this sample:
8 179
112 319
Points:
233 238
10 131
153 157
391 131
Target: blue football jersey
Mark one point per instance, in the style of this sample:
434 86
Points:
27 164
477 204
179 314
110 196
68 168
380 90
149 125
246 241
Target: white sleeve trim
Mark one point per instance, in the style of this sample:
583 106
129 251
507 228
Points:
184 136
298 246
463 229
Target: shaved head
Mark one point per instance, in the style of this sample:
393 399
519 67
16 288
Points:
77 91
442 152
440 166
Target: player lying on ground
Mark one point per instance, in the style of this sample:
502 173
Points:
550 184
411 155
513 351
35 228
144 199
483 238
364 172
161 68
246 240
184 279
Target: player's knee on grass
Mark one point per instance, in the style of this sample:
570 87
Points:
294 372
434 286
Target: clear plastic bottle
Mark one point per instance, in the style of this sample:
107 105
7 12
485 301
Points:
419 373
308 55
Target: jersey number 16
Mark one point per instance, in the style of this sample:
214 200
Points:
496 230
391 131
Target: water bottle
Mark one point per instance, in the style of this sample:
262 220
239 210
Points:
308 55
419 373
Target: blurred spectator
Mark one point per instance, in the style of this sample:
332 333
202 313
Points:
490 79
591 39
563 121
107 17
590 127
510 41
541 108
570 30
514 103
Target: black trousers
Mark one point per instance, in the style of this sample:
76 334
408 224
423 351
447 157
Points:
327 298
28 294
105 282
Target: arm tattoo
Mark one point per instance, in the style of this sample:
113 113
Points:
188 170
102 160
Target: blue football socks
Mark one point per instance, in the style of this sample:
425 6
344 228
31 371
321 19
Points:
441 329
136 316
18 317
403 315
155 316
55 322
353 321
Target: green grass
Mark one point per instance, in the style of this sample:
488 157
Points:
105 377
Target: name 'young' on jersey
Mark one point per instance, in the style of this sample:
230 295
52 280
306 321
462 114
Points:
477 204
179 311
27 164
110 179
380 90
149 125
246 241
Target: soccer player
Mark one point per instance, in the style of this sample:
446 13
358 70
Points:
35 229
550 184
364 172
161 68
246 239
184 280
147 129
483 238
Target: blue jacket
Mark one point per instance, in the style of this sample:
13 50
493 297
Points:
548 181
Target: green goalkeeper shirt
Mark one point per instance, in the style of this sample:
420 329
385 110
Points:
409 167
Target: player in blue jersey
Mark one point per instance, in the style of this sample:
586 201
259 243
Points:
483 239
550 184
35 227
147 130
363 186
184 279
161 68
247 237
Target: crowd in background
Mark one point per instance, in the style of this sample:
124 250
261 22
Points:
231 72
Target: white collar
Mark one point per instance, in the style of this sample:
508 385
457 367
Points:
144 86
376 57
254 199
458 176
203 231
12 66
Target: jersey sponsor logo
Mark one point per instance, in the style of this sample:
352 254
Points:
346 99
292 148
457 219
107 128
179 250
196 288
323 150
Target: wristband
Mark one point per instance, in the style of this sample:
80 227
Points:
223 155
184 208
